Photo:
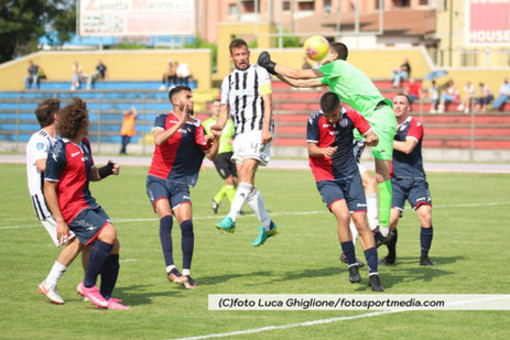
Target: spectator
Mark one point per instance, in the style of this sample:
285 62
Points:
485 98
449 95
504 94
32 78
469 94
413 91
99 73
77 74
169 76
183 74
402 72
434 96
128 128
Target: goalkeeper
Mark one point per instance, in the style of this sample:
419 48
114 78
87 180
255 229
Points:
354 88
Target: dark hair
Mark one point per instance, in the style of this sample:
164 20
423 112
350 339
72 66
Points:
340 49
237 43
404 95
329 102
174 91
72 118
46 110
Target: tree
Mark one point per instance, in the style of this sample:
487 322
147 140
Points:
23 22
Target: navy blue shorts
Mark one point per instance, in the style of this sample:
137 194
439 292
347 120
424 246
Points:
176 193
350 190
224 165
415 190
88 224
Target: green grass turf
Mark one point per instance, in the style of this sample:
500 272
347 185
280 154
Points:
470 247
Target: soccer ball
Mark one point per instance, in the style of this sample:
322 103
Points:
316 47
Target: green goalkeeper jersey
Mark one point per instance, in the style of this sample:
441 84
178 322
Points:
226 134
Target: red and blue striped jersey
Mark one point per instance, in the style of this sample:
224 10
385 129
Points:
69 165
180 157
343 163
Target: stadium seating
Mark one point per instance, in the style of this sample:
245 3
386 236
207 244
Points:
291 109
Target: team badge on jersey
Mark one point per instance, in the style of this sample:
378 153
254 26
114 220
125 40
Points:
39 146
343 122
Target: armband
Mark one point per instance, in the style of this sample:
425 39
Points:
106 170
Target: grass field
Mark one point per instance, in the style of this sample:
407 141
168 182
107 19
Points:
470 248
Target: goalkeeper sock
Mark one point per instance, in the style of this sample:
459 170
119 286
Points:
384 206
230 191
220 195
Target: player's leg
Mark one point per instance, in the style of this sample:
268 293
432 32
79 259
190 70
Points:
420 200
268 228
384 123
183 215
158 194
370 186
424 212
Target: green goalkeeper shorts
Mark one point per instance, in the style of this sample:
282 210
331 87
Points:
384 124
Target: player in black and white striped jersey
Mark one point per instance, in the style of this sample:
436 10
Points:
37 151
246 95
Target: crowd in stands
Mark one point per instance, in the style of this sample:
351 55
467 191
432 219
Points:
175 74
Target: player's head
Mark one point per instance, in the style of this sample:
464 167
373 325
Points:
181 96
239 54
73 120
47 111
330 106
216 108
401 106
337 50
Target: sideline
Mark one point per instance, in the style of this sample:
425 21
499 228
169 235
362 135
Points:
300 164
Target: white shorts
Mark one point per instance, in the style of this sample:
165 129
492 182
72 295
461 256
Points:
51 227
361 169
248 145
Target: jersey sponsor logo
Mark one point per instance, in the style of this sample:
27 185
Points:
39 146
325 126
333 132
242 92
74 154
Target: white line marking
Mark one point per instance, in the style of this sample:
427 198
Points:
288 213
294 325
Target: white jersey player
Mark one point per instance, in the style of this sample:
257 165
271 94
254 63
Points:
37 151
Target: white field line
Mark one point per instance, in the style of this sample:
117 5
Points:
314 322
214 217
293 325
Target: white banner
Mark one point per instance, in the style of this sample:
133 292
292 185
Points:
136 17
359 302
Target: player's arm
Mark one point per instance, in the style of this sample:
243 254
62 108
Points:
288 72
406 146
212 153
41 164
50 195
161 135
268 116
364 128
315 151
314 82
222 120
97 174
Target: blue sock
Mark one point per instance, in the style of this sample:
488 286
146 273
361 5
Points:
187 243
426 240
392 246
98 255
371 257
165 235
348 249
109 275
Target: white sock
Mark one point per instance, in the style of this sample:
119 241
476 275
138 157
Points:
385 231
186 272
372 211
55 273
354 233
169 268
242 193
256 203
